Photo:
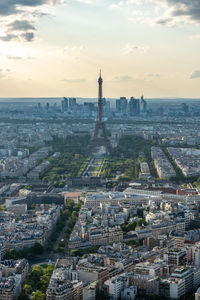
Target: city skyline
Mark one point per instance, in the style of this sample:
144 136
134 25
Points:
55 48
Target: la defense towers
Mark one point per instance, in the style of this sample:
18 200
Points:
100 137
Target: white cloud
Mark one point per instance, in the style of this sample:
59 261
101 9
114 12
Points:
122 78
75 80
74 48
4 73
129 49
85 1
18 18
162 12
195 37
154 75
195 74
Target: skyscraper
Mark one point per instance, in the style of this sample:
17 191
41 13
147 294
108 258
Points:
121 105
143 105
133 106
72 103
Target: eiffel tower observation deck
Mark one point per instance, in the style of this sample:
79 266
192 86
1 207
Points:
100 137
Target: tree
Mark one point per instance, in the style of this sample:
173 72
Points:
36 273
37 248
12 254
28 289
49 270
70 205
75 252
131 226
60 249
23 296
74 215
66 212
140 222
38 295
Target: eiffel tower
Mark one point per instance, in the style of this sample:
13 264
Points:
100 137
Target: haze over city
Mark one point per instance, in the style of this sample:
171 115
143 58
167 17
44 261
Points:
53 48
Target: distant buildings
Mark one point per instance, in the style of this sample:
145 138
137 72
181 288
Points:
133 107
123 107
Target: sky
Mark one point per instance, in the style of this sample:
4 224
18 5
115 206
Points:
55 48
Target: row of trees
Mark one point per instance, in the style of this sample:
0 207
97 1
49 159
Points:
73 159
40 276
125 158
28 253
83 252
69 215
135 243
179 175
180 178
37 282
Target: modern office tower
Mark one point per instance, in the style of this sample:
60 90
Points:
124 104
143 105
72 103
63 105
118 107
66 104
133 106
100 137
121 105
185 108
89 108
106 107
138 107
160 111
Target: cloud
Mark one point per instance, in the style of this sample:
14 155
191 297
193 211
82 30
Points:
84 1
23 14
154 75
11 7
20 25
14 57
75 80
8 37
122 78
162 12
74 52
18 57
4 73
128 49
19 30
195 37
164 21
179 11
74 48
125 3
27 36
195 74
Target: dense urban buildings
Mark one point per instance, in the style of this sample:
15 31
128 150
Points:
111 212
